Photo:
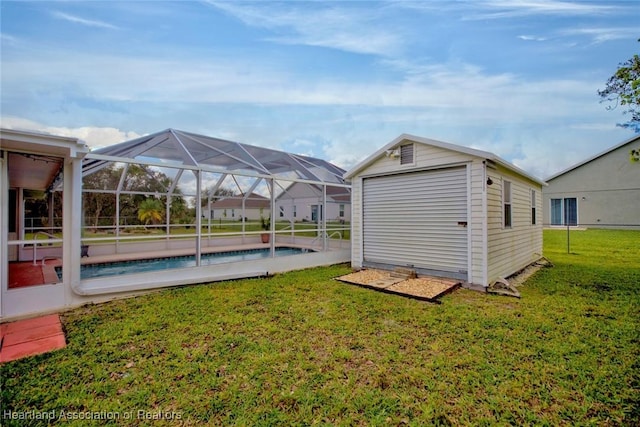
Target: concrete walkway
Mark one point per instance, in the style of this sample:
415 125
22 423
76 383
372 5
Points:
30 337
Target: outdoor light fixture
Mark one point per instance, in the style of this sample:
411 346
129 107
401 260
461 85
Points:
489 181
394 154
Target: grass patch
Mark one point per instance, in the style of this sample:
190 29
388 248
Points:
300 348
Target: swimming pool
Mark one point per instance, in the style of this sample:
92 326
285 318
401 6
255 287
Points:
89 271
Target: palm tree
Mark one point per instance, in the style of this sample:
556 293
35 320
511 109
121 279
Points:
150 211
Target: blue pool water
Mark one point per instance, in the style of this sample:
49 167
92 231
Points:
89 271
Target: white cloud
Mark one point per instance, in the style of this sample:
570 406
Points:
532 38
6 38
95 137
351 29
601 35
453 101
123 78
82 21
504 9
456 86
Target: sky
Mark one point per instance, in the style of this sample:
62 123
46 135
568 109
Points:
330 79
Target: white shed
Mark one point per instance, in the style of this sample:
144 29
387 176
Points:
444 210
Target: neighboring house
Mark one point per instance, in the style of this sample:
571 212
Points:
444 210
231 208
303 202
602 191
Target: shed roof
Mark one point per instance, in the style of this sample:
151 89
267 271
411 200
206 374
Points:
435 143
597 156
181 148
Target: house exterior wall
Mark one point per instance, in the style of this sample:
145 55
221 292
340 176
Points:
47 297
606 189
303 209
235 214
512 248
303 197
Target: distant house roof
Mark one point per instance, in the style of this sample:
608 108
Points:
597 156
252 201
445 145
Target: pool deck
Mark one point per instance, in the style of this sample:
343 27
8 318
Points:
25 273
99 259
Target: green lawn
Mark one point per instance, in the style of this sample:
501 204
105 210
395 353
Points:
301 349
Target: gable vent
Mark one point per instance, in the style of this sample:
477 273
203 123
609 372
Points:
406 154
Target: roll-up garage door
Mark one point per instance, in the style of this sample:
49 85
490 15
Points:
417 219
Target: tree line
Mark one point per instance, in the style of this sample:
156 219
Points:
143 201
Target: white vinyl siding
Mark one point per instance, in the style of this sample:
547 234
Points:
493 251
511 249
418 219
425 156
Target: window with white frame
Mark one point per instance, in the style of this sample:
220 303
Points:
295 212
533 207
506 202
564 211
281 211
341 209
